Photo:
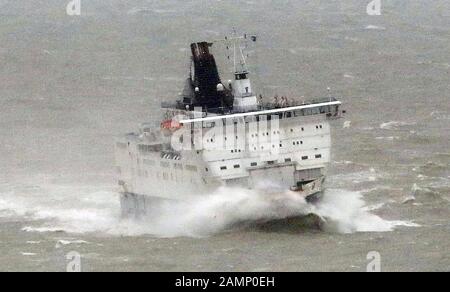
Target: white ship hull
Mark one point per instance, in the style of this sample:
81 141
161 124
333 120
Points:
299 165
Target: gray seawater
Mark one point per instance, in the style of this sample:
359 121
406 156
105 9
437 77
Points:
69 85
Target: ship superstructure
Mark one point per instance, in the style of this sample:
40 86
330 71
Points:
223 134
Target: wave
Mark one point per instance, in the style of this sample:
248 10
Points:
145 10
375 27
394 125
79 210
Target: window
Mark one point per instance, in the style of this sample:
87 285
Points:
177 166
223 168
237 166
191 168
288 160
150 148
319 156
303 129
254 164
271 162
149 162
304 157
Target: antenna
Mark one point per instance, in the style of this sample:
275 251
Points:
236 42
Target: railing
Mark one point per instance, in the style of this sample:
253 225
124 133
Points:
173 109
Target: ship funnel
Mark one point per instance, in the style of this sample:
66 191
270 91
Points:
209 91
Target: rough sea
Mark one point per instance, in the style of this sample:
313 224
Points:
70 84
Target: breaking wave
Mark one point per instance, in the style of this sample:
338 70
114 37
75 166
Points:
394 125
374 27
71 209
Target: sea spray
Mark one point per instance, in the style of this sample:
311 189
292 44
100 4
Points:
85 209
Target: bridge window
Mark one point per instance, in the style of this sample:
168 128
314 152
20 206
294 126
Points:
191 168
177 166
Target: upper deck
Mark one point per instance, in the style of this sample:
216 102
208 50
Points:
325 106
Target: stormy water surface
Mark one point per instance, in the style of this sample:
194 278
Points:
69 85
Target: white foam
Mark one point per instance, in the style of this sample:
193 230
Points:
63 242
390 138
393 125
375 27
139 10
347 213
81 210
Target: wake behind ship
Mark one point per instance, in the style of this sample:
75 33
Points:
224 134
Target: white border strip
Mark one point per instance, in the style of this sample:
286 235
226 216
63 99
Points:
280 110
